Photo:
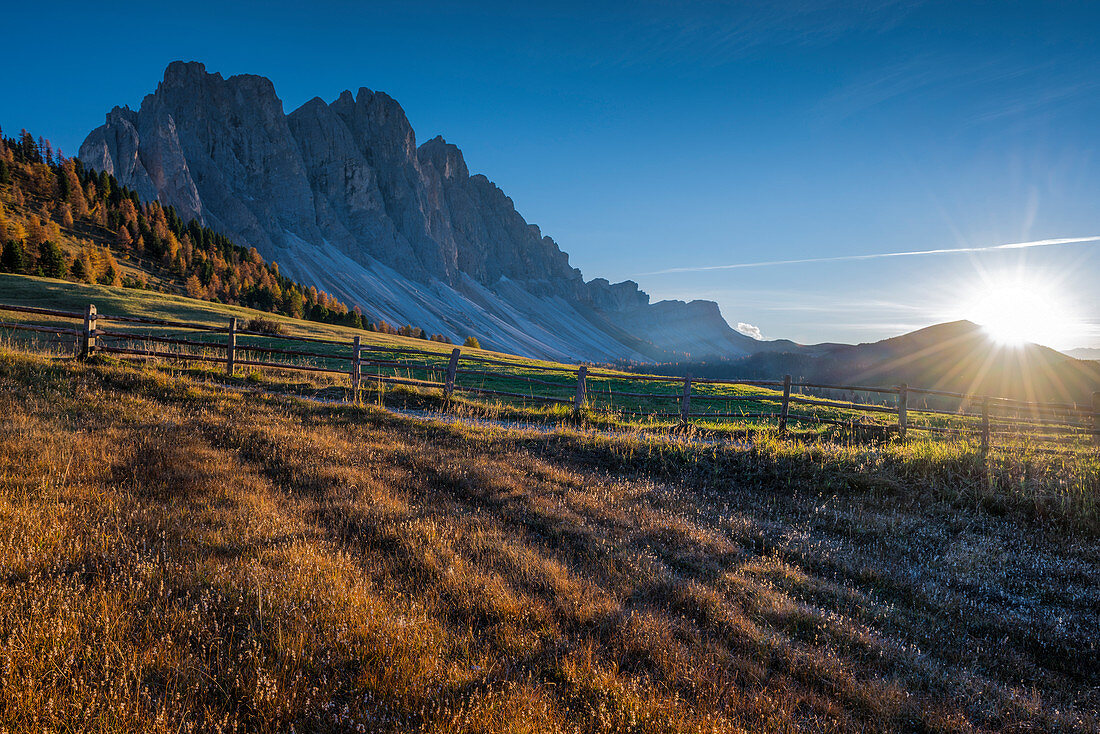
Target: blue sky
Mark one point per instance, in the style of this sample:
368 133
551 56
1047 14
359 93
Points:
651 136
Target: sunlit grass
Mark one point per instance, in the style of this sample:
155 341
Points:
178 556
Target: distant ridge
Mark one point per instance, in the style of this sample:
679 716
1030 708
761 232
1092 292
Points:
957 357
1083 353
341 197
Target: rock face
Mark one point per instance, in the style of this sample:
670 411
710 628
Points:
341 197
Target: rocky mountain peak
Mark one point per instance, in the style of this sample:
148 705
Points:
379 123
444 157
624 296
121 113
339 194
191 76
181 73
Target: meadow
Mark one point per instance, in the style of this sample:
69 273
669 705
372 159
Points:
496 385
178 556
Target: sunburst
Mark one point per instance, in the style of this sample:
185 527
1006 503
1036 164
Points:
1018 308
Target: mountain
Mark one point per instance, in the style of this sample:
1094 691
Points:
956 357
1083 353
341 196
961 357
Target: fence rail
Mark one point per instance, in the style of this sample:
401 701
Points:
977 415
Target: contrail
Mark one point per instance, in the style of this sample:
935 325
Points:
879 255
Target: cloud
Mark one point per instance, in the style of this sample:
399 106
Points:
881 255
749 330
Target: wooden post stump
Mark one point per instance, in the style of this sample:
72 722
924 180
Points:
685 401
582 388
903 409
231 349
786 407
452 371
87 347
985 426
1096 418
356 369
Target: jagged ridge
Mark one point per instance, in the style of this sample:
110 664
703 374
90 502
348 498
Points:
341 196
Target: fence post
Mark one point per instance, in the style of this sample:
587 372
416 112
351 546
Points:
985 426
582 388
1096 418
356 370
685 402
903 407
88 341
452 371
786 408
231 347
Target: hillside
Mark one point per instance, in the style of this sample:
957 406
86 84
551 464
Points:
60 220
956 357
961 357
341 196
215 560
1084 353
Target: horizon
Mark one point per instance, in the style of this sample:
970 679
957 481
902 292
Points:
867 140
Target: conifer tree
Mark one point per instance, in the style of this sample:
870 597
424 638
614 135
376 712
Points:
75 194
13 258
36 232
51 261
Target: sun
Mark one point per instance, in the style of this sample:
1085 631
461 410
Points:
1017 309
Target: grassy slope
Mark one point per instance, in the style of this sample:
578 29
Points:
65 295
176 557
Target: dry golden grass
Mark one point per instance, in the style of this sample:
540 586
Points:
177 557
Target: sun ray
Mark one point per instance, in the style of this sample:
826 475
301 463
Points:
1020 307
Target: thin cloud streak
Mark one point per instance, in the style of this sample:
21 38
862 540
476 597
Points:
882 255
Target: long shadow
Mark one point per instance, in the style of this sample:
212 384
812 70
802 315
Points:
577 544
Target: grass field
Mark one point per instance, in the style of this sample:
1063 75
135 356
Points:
179 557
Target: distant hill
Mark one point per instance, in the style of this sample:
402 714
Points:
1083 353
956 357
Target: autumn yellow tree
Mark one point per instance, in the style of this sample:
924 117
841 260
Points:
36 232
15 231
76 193
41 180
65 214
128 213
110 272
193 286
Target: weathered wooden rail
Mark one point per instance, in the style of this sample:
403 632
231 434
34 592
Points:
981 416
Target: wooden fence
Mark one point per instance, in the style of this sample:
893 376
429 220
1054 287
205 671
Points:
977 416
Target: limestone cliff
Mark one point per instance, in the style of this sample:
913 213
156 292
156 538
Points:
341 196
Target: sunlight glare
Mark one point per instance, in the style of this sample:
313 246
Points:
1016 310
